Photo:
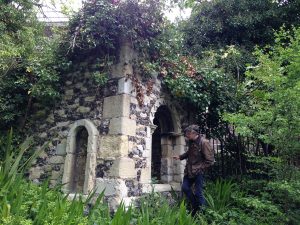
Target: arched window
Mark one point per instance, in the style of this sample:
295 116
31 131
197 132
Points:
80 156
80 161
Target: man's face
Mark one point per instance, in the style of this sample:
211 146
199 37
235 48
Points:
191 135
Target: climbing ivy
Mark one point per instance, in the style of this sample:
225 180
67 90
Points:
101 26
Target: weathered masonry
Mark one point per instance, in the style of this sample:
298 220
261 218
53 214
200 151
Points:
103 139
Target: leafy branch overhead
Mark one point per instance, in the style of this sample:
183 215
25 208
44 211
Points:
101 26
28 66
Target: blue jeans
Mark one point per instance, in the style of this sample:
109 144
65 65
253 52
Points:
196 198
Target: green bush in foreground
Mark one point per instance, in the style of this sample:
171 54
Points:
22 202
260 202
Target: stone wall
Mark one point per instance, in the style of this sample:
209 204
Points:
118 156
81 99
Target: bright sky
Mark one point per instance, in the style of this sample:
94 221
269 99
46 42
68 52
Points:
53 13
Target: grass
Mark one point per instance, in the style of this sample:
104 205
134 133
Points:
25 203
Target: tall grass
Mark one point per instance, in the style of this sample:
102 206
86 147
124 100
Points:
11 172
22 202
218 195
25 203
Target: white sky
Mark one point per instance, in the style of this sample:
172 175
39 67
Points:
53 13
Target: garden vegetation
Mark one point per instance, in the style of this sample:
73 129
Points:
235 63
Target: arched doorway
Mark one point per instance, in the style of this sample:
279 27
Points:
162 148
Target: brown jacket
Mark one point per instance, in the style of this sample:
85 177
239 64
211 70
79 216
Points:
199 157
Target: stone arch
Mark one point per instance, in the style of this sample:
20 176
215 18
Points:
171 140
173 111
91 153
159 151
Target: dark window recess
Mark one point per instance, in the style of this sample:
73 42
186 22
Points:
78 175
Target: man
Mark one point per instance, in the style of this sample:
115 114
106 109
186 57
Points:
199 157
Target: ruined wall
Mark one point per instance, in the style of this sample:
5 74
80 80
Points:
118 138
81 99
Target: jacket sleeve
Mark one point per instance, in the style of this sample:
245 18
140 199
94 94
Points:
183 156
209 158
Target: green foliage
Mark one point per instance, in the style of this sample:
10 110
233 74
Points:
232 28
276 200
207 89
272 90
218 23
155 209
11 172
100 78
229 203
101 25
26 203
207 83
28 69
286 195
262 210
255 202
270 168
218 195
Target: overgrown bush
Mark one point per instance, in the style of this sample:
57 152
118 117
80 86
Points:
271 112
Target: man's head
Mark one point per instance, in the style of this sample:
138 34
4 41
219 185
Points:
192 132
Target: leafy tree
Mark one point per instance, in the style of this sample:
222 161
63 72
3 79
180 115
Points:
272 90
27 66
232 28
202 88
218 23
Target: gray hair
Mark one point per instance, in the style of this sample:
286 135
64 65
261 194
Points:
193 127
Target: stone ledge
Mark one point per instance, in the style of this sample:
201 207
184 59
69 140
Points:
61 149
145 177
125 86
148 188
106 185
56 160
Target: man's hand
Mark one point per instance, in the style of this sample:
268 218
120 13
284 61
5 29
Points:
176 157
